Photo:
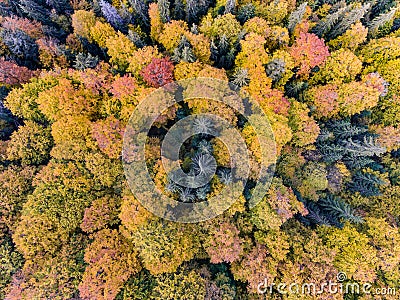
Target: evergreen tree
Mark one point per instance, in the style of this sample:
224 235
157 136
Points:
366 147
35 11
349 19
111 14
296 16
84 61
163 7
178 10
230 6
23 48
339 209
246 12
184 51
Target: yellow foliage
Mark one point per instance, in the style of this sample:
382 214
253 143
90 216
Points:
141 58
222 25
253 54
185 70
201 46
156 22
120 49
100 32
277 37
342 66
256 25
172 33
274 12
352 38
211 72
82 23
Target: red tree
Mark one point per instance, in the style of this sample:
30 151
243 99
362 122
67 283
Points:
11 73
308 52
159 72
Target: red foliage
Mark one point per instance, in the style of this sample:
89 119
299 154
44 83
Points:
109 133
224 244
309 51
112 261
123 86
11 73
159 72
31 28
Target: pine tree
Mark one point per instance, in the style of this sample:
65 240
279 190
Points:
136 39
353 161
349 19
195 9
61 6
184 51
163 8
111 14
366 147
35 11
339 209
316 216
178 10
329 22
275 69
343 129
241 78
246 12
141 9
84 61
22 46
368 177
331 152
296 16
365 188
230 6
380 21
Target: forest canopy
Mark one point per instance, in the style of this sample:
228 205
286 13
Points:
325 74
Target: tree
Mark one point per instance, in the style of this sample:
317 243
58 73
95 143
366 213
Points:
187 284
21 45
82 22
222 25
341 66
35 11
159 72
156 23
12 74
305 129
102 213
352 38
120 49
111 14
111 261
10 262
223 243
255 267
108 133
16 186
308 52
67 98
354 255
32 28
163 246
30 144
